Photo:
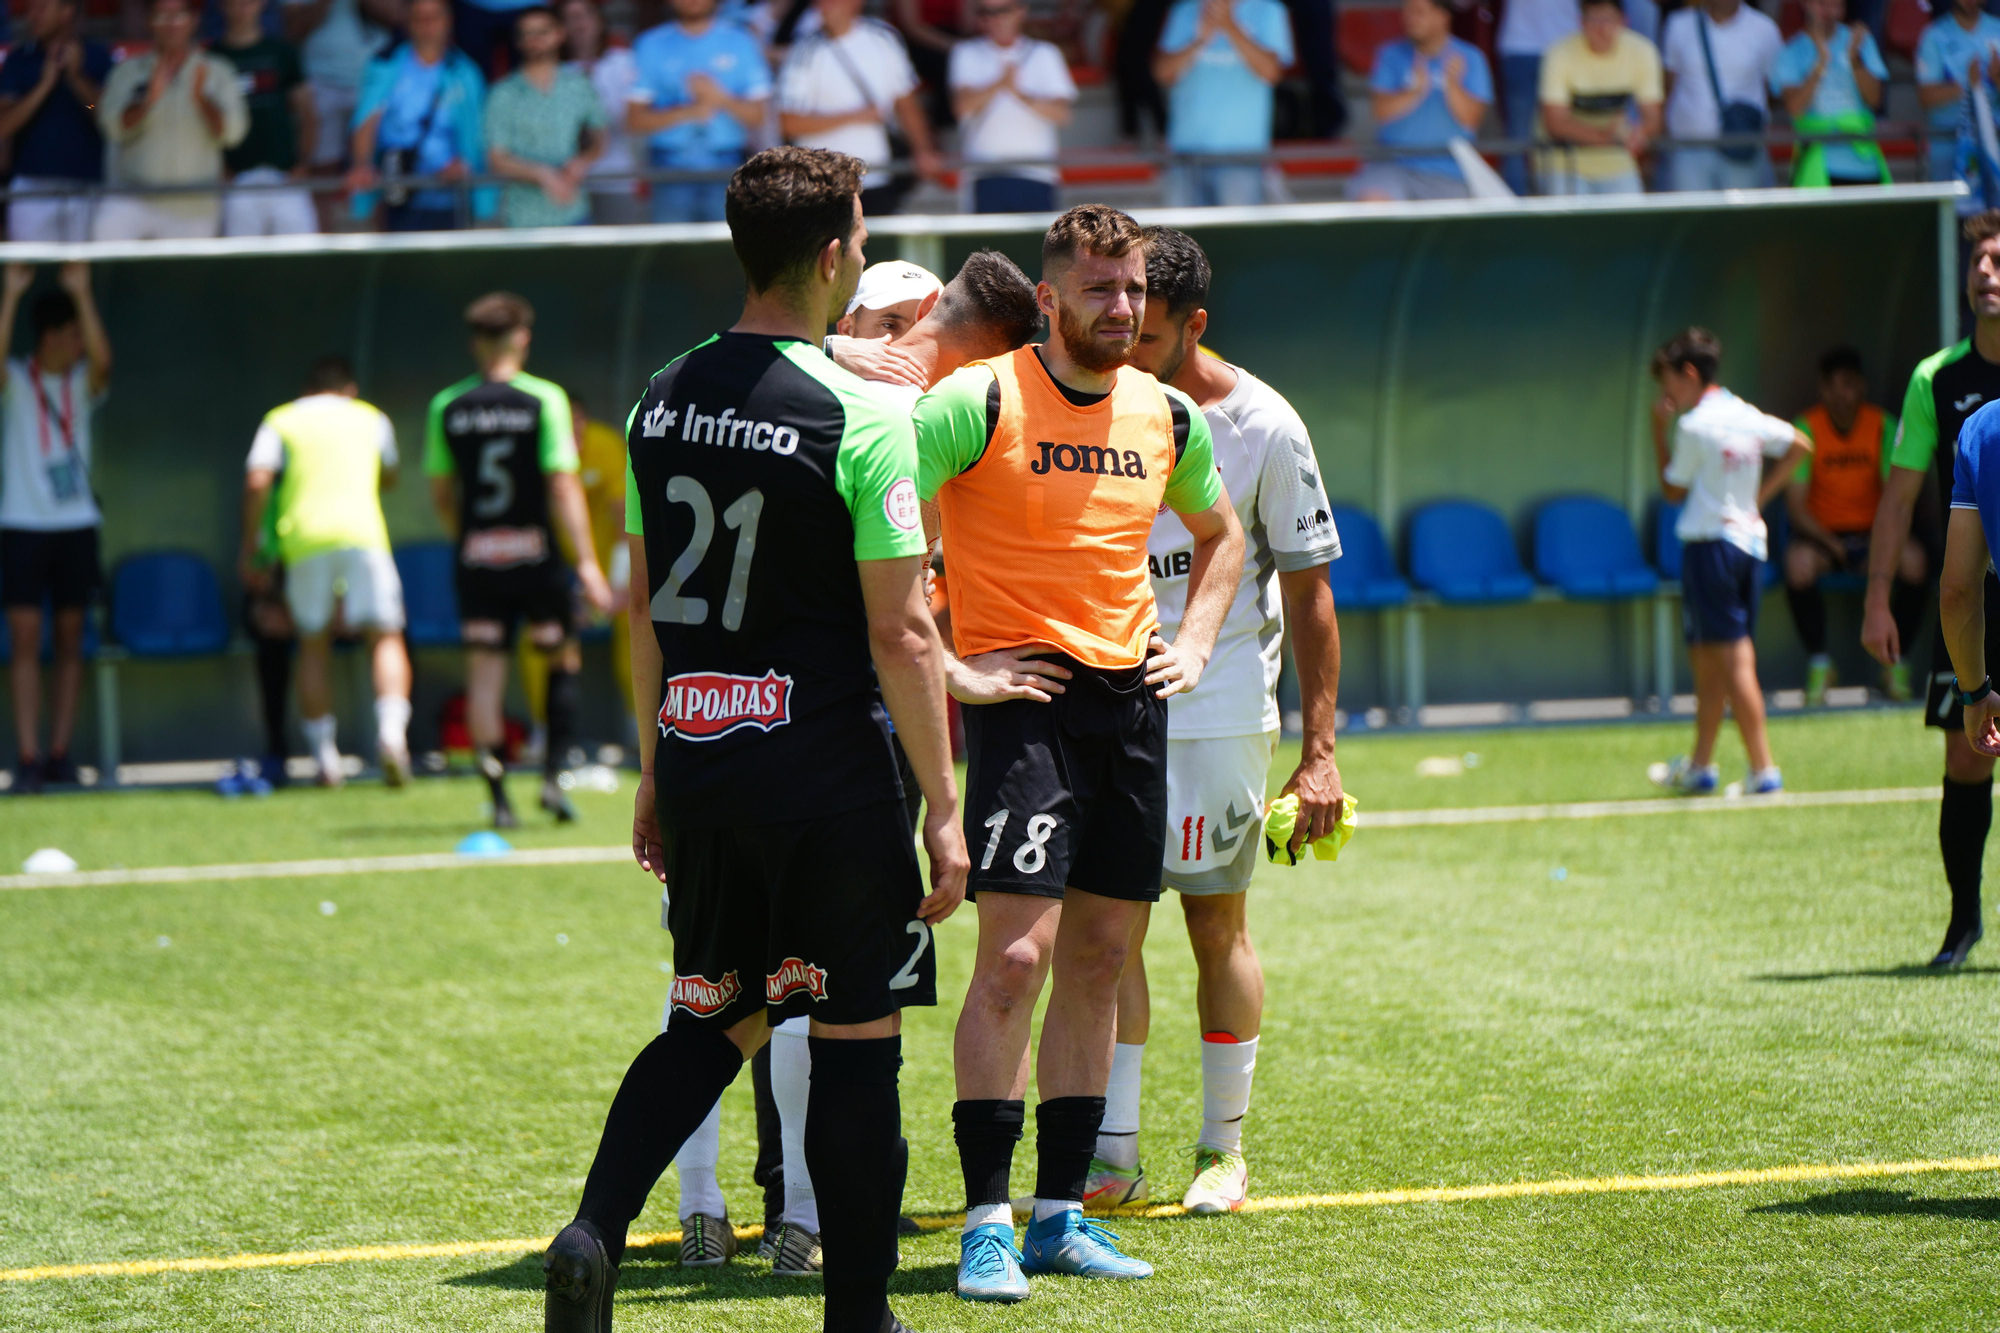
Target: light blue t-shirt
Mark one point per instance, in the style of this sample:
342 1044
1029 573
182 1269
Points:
1219 106
1837 94
666 55
1975 472
1429 124
1942 57
411 98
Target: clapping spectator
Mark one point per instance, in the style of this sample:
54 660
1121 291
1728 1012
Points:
1219 60
1719 55
544 127
422 113
1427 89
336 39
840 89
1947 56
170 112
613 73
282 129
47 89
1528 28
1830 78
1601 99
702 88
1011 94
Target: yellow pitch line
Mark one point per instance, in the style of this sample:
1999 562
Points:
1770 1175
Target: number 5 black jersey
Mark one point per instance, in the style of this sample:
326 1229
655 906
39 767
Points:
761 474
499 438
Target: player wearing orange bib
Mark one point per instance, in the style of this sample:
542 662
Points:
1048 467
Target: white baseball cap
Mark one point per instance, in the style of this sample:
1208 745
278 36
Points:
892 283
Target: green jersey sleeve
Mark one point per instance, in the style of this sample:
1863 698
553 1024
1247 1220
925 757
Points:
1917 435
437 455
876 474
950 425
1804 473
556 447
1888 441
1194 484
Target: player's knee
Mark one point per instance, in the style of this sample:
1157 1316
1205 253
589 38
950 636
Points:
547 638
1215 934
1801 565
1009 977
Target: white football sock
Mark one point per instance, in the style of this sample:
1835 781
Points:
696 1162
1118 1137
1047 1208
392 723
1226 1067
989 1214
319 738
791 1087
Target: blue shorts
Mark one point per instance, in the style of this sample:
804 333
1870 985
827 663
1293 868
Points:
1720 588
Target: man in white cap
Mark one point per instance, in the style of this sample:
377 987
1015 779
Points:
889 300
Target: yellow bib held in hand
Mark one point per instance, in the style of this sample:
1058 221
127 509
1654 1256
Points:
1283 817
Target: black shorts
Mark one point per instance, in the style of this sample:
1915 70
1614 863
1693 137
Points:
59 567
1072 793
1941 708
536 594
815 917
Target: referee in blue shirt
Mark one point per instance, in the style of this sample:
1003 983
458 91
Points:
1968 552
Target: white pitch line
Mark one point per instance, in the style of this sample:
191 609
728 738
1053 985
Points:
563 856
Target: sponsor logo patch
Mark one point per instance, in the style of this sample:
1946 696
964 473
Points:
702 997
702 705
795 974
900 504
655 423
503 548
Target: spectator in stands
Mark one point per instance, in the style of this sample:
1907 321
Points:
169 113
544 127
422 113
336 39
47 89
1951 47
1601 97
613 73
1832 501
1011 94
841 88
282 132
1427 89
702 88
1528 28
48 514
1219 61
484 30
1719 56
1830 79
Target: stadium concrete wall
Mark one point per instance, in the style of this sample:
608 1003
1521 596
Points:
1492 352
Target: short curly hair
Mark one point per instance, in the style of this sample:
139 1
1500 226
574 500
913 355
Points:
1177 272
1089 229
784 205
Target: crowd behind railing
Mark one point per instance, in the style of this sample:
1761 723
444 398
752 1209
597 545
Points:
262 117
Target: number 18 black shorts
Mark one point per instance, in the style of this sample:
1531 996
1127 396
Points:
1071 793
815 917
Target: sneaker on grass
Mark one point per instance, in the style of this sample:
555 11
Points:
1071 1244
1109 1186
797 1252
989 1267
1683 777
706 1242
1221 1181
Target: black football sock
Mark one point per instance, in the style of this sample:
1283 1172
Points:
274 680
667 1093
1065 1138
853 1127
987 1132
1963 821
562 720
769 1173
1809 617
1906 607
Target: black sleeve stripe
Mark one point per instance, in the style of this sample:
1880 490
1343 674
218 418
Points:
992 408
1181 426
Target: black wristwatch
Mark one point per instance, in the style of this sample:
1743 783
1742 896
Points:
1966 698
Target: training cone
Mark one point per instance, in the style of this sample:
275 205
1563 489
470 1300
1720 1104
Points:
483 843
49 861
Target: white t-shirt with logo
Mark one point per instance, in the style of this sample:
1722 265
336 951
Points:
1267 464
1006 128
1719 450
831 76
1745 48
45 449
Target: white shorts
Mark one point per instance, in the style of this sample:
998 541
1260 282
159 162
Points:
268 212
128 217
367 582
1215 811
60 217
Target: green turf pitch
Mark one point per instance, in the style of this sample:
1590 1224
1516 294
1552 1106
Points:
429 1063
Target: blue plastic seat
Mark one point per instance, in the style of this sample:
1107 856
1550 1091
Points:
1586 547
430 595
1365 577
1464 553
168 604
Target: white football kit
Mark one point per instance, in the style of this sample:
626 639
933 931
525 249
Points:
1221 737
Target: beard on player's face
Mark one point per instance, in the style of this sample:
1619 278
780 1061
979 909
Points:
1082 337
